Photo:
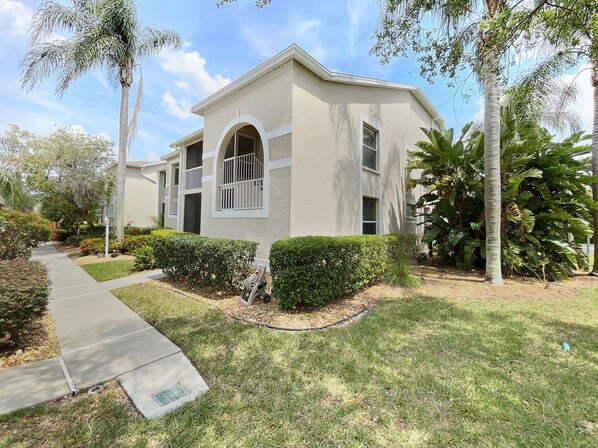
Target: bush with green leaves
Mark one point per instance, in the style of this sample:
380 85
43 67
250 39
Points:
131 243
94 246
545 198
218 262
75 240
24 292
165 232
20 232
144 258
313 270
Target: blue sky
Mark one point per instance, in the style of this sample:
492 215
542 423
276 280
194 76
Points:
221 45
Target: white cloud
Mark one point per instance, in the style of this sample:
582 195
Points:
183 85
191 68
15 17
176 108
355 11
266 40
151 155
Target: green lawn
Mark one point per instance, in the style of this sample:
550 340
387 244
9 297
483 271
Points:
413 372
109 270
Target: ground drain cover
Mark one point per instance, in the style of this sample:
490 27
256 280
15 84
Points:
169 395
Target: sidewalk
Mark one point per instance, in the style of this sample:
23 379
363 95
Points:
100 339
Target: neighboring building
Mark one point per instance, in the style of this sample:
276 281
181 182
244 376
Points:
140 194
292 149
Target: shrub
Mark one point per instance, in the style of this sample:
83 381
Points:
75 240
61 235
93 246
136 231
24 291
165 232
20 232
208 261
399 273
132 243
144 258
313 270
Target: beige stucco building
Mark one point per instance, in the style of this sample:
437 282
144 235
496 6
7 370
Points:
293 149
141 207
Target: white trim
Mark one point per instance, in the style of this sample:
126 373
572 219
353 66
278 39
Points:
374 124
188 139
193 191
288 129
282 163
208 178
234 123
295 52
209 155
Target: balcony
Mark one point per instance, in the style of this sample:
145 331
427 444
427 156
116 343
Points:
174 207
193 178
243 184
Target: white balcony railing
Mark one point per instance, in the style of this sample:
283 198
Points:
243 184
175 192
193 178
174 207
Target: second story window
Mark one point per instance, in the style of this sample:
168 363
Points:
370 148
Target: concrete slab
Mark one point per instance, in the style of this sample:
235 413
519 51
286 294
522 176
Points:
143 383
31 384
70 279
108 359
93 318
133 279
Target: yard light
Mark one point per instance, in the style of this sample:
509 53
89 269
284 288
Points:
107 224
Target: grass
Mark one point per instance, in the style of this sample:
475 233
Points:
74 255
109 270
414 372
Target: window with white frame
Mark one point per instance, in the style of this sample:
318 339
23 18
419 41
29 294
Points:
174 194
370 147
370 216
411 211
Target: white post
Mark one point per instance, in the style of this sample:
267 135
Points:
107 224
588 246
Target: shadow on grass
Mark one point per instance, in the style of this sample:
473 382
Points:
414 371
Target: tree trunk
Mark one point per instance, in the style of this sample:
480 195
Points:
121 171
492 186
595 162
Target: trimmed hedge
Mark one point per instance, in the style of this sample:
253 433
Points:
20 232
75 240
94 246
313 270
207 261
24 291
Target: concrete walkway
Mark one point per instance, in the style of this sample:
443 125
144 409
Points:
101 339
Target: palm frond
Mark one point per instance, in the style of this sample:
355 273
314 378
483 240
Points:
154 40
42 61
51 17
132 128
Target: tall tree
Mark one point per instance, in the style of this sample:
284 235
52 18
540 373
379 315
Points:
453 37
107 35
572 27
65 169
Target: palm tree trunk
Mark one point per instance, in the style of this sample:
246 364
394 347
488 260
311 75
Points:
595 161
492 186
121 171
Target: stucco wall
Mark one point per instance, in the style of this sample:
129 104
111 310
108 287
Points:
269 101
328 180
140 197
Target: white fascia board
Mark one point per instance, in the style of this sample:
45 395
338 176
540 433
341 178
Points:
295 52
188 139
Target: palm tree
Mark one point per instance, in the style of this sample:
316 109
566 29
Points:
107 35
12 193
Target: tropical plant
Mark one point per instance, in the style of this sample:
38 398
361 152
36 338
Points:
463 35
20 232
541 98
545 205
105 34
571 26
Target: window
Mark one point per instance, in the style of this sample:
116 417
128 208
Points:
411 211
370 213
370 147
176 176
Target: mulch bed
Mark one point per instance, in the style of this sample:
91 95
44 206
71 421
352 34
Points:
40 343
440 282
